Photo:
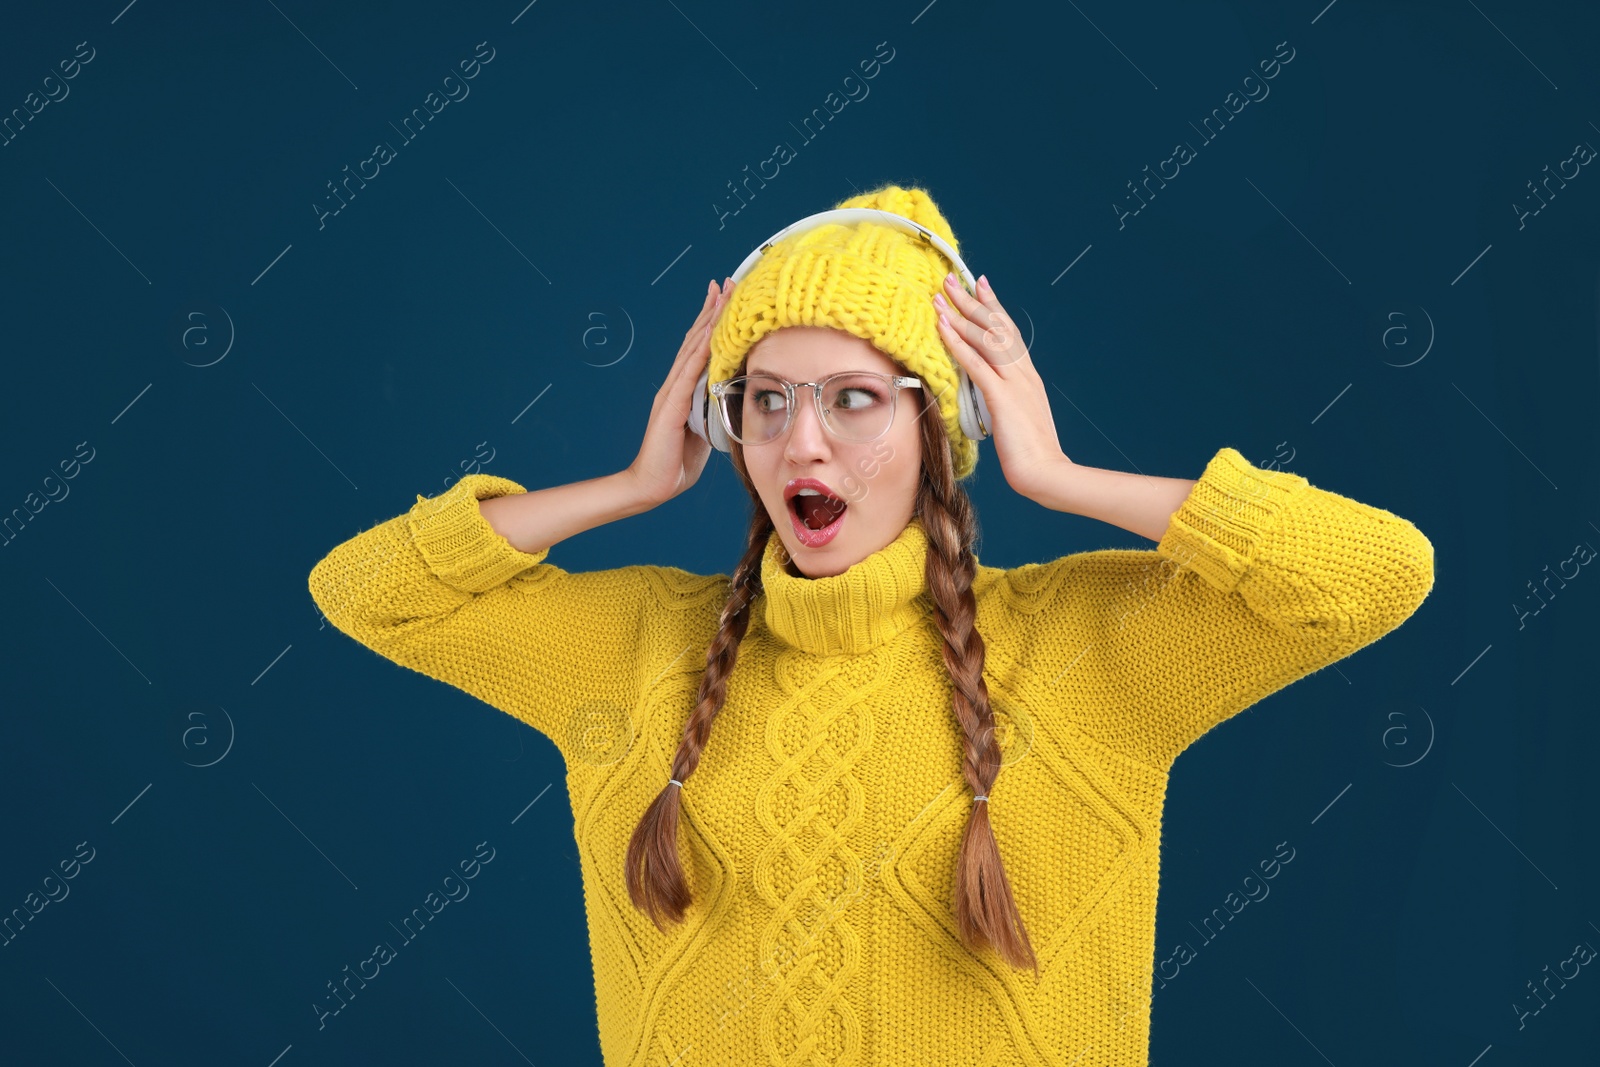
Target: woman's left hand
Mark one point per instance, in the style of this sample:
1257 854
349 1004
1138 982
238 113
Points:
984 341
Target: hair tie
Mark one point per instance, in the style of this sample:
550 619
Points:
674 781
982 798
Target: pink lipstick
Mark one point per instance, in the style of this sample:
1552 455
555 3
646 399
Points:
816 511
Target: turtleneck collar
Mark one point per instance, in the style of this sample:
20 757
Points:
871 602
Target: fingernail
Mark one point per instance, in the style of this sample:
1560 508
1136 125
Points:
983 280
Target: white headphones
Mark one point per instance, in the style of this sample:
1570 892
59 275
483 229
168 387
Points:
974 412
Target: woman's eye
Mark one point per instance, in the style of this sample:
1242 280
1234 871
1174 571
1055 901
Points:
865 397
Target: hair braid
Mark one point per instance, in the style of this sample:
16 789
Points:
985 911
655 877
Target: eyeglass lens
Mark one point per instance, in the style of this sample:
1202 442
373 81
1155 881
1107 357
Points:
856 407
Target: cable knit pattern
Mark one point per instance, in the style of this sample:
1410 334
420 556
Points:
820 831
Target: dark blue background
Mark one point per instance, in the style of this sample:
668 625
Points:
569 207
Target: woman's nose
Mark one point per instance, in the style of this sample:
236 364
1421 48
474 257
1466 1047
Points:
808 438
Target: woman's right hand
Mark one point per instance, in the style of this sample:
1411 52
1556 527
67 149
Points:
673 456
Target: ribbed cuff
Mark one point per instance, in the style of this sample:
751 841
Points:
1220 524
457 542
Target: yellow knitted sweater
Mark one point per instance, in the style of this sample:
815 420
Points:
821 828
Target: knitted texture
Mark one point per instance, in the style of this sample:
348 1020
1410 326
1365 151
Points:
819 833
867 279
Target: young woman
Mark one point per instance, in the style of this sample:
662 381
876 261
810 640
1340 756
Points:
838 871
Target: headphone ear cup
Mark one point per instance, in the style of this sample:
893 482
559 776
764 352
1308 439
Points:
719 432
704 421
986 423
974 410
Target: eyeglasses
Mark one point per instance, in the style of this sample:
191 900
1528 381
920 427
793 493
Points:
855 406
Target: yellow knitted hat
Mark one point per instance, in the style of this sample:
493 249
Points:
867 279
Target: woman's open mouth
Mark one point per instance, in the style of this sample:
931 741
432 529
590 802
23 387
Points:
816 513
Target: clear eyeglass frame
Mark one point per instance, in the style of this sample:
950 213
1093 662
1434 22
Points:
894 382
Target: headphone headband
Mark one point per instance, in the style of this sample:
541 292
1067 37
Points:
847 215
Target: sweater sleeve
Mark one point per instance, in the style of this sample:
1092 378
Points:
437 590
1260 579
